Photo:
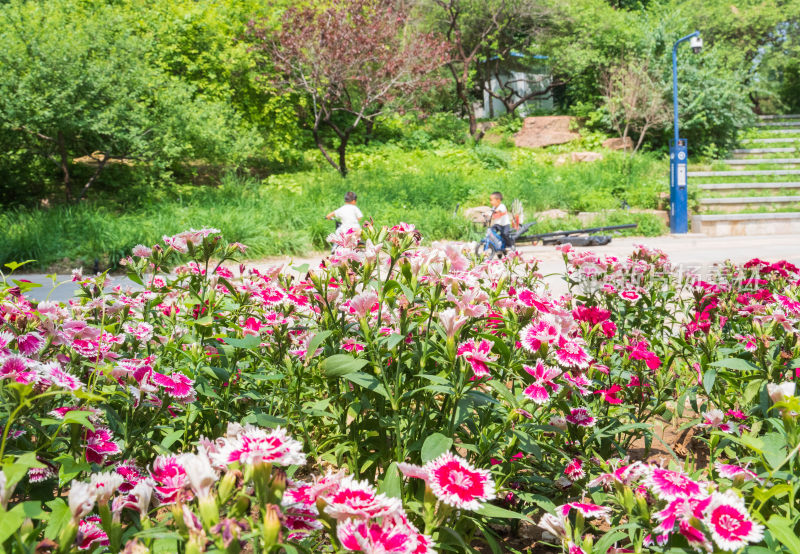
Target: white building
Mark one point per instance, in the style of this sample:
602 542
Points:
523 79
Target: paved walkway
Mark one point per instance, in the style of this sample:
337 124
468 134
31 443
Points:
690 252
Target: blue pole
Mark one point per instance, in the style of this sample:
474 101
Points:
678 157
675 79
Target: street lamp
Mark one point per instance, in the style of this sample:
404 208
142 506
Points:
678 152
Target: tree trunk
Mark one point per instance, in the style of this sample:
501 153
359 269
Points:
641 139
321 146
466 105
369 125
62 152
342 151
100 165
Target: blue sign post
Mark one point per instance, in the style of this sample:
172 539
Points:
678 152
678 203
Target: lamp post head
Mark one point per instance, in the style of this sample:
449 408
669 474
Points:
696 43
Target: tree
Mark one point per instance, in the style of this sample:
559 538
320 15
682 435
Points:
472 26
353 59
506 91
583 40
92 94
635 100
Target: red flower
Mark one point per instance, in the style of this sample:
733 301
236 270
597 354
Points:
610 394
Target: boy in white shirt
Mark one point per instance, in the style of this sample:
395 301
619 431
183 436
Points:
500 217
349 215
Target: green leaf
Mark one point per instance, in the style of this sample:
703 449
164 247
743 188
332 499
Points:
503 391
752 389
70 468
390 285
368 382
544 503
392 484
13 266
490 510
157 533
135 278
10 521
59 517
341 364
709 378
264 420
764 494
79 416
753 443
434 446
527 444
783 530
301 269
170 439
248 343
735 363
314 343
17 469
393 340
607 540
25 286
33 509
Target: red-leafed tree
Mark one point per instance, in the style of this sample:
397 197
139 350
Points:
353 59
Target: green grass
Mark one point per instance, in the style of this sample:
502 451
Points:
285 213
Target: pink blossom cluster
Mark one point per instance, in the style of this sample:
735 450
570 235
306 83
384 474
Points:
699 512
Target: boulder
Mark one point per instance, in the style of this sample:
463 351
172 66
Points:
586 156
478 214
618 144
538 132
551 214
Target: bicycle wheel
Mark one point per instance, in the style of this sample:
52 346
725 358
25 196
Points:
485 250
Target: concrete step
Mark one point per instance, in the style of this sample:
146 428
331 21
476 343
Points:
759 161
784 131
771 140
779 116
747 186
779 124
718 225
740 203
748 151
746 173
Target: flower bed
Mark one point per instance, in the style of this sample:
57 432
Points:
403 399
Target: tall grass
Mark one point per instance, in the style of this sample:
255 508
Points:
285 213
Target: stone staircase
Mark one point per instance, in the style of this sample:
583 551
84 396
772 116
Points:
757 192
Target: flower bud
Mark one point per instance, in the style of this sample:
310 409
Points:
628 500
209 513
641 502
278 484
67 536
241 506
226 486
272 527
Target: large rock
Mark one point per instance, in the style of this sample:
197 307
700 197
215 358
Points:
538 132
551 214
618 143
586 156
478 214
